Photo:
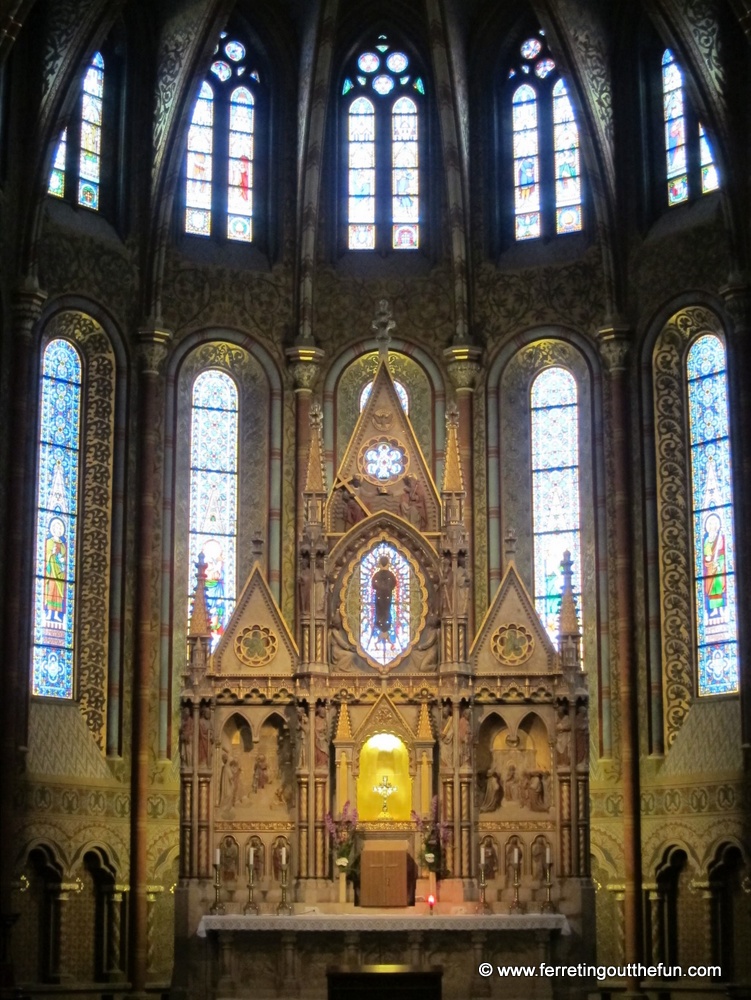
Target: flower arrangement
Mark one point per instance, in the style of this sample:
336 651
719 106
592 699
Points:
436 836
342 834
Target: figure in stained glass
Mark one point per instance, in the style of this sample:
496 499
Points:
55 564
383 584
715 584
526 177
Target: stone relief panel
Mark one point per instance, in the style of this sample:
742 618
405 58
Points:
403 370
252 518
254 777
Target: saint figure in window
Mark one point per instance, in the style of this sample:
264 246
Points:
714 567
55 556
383 584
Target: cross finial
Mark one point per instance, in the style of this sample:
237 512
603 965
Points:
510 543
316 416
383 324
452 415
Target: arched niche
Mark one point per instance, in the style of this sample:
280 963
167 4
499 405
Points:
514 767
255 778
384 757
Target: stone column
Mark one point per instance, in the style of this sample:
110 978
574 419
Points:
21 429
320 826
113 952
60 970
152 353
302 826
304 365
463 368
656 928
614 347
152 893
466 826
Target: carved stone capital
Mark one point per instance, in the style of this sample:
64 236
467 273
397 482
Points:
28 303
614 342
737 296
153 346
304 364
463 364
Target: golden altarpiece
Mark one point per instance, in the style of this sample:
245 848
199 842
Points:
384 686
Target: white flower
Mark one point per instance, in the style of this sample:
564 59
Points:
429 857
342 862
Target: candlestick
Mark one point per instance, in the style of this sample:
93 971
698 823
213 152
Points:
284 906
516 905
251 906
548 905
218 905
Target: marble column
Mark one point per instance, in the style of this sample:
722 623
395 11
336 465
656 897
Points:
153 346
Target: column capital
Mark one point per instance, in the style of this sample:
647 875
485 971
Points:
614 341
153 346
737 297
304 362
28 302
463 362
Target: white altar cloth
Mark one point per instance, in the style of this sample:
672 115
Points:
385 922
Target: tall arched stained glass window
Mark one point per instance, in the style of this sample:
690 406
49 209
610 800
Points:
547 174
213 492
555 489
57 522
199 167
222 156
526 164
385 622
568 193
689 163
89 165
382 101
712 515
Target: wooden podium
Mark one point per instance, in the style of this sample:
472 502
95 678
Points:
383 873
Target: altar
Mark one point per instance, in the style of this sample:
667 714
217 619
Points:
268 956
382 748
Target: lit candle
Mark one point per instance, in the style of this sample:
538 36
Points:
251 856
516 855
547 855
217 857
482 854
284 856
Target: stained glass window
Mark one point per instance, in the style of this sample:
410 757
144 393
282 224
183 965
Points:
400 391
712 518
526 164
199 166
90 141
385 623
213 492
555 490
382 140
684 142
568 194
221 160
547 175
57 522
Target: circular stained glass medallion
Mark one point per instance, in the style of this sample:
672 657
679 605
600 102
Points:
397 62
368 62
383 460
221 69
383 85
235 51
543 67
530 48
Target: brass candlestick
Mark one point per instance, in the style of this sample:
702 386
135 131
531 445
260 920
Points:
284 906
484 906
251 906
548 905
516 906
218 907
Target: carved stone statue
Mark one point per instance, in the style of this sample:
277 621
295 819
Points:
321 734
493 792
447 736
465 737
302 736
205 736
303 583
342 654
426 654
187 728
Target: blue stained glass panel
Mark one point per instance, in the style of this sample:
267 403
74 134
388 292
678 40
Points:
213 492
675 137
57 522
555 489
712 515
400 391
530 48
199 165
385 601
